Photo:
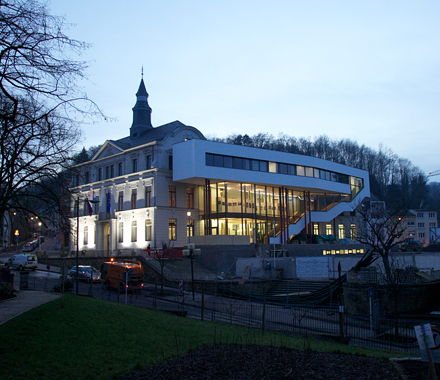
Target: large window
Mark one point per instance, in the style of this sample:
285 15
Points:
148 161
86 208
148 230
341 231
172 196
134 231
120 168
277 167
315 229
121 232
96 205
133 198
135 165
121 201
86 235
328 229
353 231
172 229
189 197
148 196
99 174
190 227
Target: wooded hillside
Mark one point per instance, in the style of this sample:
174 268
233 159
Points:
391 177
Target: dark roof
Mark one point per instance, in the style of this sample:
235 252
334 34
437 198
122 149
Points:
154 134
142 90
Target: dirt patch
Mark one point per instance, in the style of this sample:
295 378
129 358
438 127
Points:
416 369
243 362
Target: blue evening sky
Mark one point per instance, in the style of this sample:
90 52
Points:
362 70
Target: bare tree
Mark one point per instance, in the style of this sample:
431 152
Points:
381 229
41 106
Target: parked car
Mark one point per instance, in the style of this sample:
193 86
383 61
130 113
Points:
22 261
28 248
85 273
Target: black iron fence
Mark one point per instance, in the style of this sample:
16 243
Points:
328 321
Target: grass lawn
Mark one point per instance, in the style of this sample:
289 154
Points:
97 339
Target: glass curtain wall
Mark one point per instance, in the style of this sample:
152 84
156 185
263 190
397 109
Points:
252 210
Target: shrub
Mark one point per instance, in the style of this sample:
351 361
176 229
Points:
5 291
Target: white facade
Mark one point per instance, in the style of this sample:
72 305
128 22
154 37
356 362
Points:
162 184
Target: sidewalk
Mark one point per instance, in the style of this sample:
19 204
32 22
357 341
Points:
25 300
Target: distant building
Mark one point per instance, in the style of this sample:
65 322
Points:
168 184
419 224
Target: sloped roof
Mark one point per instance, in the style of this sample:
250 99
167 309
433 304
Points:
154 134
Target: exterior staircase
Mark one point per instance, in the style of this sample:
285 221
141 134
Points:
291 291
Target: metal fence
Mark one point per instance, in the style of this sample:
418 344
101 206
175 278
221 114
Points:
327 321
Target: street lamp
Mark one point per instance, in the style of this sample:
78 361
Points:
77 245
17 234
39 236
188 227
191 252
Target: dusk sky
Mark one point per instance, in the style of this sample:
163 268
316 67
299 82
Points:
367 71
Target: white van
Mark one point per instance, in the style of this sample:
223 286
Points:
22 261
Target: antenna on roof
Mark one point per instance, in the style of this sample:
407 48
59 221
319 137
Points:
142 71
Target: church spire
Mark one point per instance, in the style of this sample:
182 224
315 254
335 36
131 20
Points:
141 111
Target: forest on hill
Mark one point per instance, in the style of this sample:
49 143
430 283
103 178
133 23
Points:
392 178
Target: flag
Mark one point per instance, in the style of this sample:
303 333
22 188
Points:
108 202
89 207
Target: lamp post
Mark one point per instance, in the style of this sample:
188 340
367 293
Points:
17 234
39 236
191 251
77 245
188 227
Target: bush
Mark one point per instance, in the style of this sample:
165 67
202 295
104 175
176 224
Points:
5 291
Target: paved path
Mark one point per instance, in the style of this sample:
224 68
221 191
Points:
25 300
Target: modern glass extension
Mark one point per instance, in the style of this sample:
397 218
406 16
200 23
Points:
232 208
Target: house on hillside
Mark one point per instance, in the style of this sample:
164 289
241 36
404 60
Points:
419 225
167 185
